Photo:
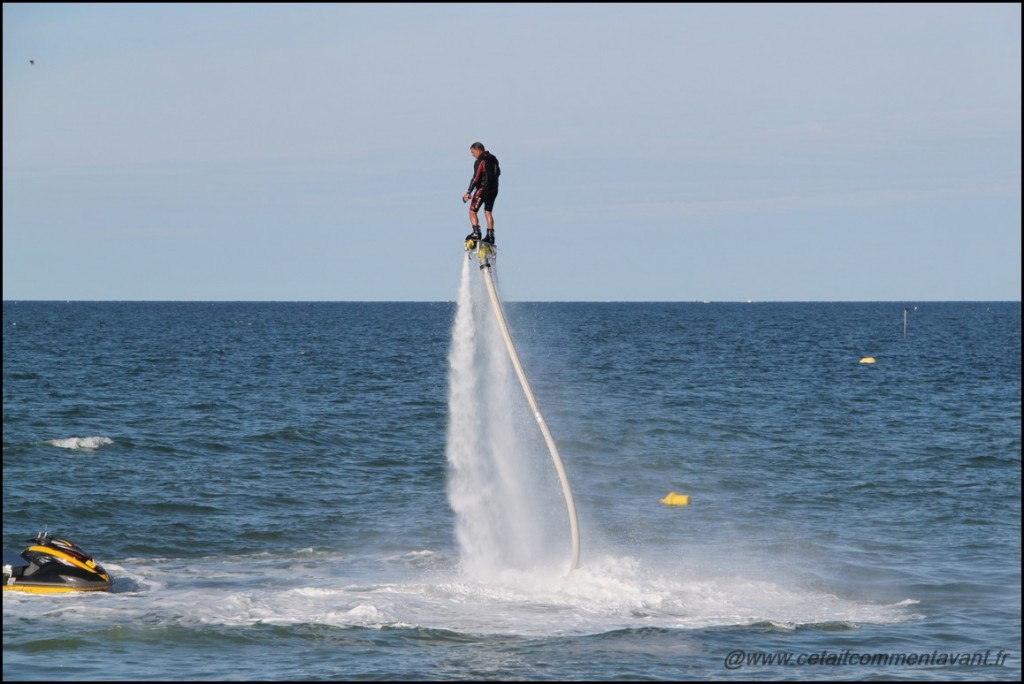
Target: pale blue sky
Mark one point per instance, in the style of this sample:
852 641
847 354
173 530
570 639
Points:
649 152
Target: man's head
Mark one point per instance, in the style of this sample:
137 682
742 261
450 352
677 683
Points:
476 149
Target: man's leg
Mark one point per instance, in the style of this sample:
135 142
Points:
488 206
475 235
474 220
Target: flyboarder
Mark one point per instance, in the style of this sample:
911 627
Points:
485 184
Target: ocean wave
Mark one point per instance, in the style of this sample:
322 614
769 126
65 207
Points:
81 442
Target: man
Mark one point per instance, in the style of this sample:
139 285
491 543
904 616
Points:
485 183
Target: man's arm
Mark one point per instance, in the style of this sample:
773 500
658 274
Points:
478 176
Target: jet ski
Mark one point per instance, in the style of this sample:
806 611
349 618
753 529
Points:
53 565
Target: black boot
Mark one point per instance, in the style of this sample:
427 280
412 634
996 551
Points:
475 235
490 237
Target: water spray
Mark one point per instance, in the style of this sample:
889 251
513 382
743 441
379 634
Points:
486 254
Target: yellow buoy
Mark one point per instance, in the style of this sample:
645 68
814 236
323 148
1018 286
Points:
674 499
868 359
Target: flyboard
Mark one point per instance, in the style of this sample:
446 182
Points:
486 254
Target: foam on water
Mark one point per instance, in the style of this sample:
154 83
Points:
608 594
81 442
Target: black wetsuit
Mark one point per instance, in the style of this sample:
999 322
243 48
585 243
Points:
485 181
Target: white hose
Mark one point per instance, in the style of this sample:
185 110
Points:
566 491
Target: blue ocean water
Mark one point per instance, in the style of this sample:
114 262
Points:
269 484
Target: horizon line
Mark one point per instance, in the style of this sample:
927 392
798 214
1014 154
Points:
522 301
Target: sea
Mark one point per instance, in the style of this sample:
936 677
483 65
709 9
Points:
360 490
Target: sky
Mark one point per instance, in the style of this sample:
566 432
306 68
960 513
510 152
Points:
649 152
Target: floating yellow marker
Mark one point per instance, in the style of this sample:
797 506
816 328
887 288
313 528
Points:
868 359
674 499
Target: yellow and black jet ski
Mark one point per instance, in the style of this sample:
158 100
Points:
53 565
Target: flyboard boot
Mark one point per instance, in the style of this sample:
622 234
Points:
482 247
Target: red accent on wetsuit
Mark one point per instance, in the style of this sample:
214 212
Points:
479 175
